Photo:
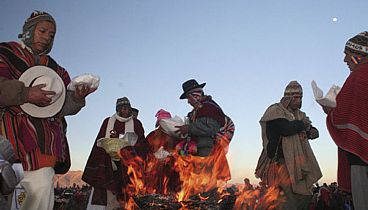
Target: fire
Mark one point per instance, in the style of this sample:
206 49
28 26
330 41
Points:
265 197
201 174
202 182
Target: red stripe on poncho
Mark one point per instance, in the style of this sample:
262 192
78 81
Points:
348 122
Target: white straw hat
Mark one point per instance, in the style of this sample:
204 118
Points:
37 75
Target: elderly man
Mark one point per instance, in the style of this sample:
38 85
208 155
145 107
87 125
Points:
104 171
208 126
39 142
348 122
287 159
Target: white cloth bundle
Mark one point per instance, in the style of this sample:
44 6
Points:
91 80
330 99
168 125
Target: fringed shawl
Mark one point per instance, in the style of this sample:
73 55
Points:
300 161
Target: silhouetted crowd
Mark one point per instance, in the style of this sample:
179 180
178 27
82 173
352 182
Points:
331 197
72 198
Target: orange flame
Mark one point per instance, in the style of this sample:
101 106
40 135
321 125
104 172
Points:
201 174
264 197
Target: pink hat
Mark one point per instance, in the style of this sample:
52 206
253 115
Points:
162 114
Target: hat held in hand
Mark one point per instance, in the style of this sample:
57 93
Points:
37 75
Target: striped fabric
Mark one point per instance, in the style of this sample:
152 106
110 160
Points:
226 132
30 136
348 122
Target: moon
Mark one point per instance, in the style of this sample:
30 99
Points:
334 19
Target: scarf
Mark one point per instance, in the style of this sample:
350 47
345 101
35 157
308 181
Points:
129 124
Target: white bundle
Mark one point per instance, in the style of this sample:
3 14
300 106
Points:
93 81
330 99
168 125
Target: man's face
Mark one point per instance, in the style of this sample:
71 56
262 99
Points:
193 100
43 36
296 102
125 111
351 60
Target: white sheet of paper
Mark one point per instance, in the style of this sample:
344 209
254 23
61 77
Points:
329 99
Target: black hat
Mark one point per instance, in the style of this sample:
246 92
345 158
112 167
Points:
190 85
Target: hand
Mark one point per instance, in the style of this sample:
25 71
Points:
82 91
36 95
183 129
313 133
307 124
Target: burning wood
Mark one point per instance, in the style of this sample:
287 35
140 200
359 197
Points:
202 186
211 200
157 202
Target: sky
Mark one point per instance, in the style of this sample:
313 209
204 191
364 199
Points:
245 51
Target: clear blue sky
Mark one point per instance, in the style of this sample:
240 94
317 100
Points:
246 52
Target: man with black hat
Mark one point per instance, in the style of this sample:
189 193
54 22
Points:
208 125
348 122
39 141
287 160
104 171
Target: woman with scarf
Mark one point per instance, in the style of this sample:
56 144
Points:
106 173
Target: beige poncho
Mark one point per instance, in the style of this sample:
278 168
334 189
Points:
299 158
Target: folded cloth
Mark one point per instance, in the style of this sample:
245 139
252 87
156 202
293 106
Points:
91 80
168 125
112 146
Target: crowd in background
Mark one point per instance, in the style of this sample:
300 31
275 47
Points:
325 197
72 197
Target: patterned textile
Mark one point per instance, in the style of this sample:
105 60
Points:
208 108
223 139
348 122
226 133
293 89
29 135
358 44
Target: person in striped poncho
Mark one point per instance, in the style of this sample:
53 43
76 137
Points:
39 142
348 122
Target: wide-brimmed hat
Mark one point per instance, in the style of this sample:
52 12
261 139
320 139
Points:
37 75
190 85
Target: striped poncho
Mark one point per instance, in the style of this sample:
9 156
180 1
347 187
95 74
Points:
37 142
348 122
